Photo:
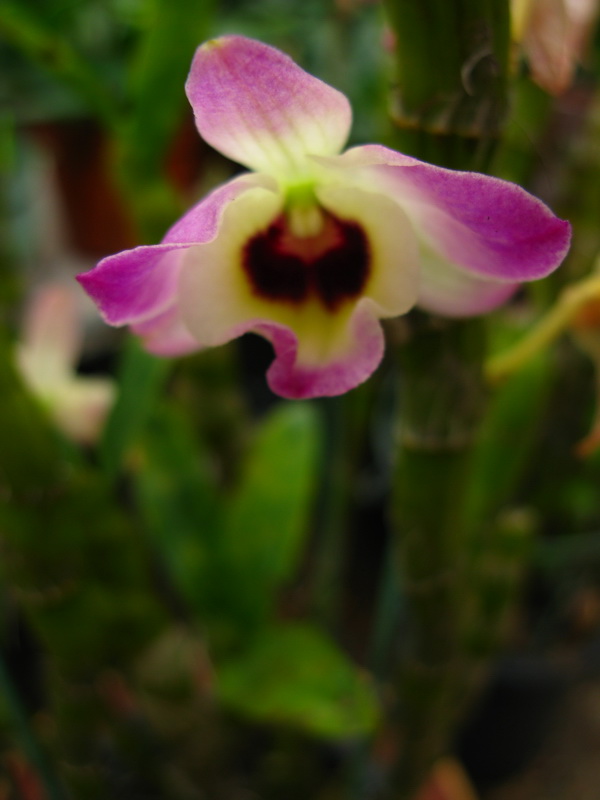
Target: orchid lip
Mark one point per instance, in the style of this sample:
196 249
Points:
331 266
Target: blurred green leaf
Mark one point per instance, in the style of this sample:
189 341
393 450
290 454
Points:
266 518
499 560
31 460
43 44
568 552
178 501
507 438
174 29
228 554
294 675
7 142
13 708
140 380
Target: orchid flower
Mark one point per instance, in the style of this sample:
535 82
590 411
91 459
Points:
312 248
46 357
554 35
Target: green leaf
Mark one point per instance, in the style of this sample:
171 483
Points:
32 34
140 379
174 29
7 142
177 497
294 675
266 518
508 434
31 457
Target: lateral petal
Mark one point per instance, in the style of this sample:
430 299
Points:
166 334
487 226
136 285
259 108
453 292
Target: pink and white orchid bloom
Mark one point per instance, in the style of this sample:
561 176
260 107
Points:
46 356
555 35
313 248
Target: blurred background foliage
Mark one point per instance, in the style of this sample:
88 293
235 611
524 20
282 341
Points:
198 596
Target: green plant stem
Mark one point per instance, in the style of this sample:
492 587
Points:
451 71
388 609
345 420
441 402
541 335
448 107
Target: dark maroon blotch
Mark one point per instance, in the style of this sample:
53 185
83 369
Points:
332 267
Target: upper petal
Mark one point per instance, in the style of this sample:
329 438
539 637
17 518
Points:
137 285
485 225
259 108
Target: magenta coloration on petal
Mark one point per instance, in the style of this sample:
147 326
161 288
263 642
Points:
255 105
289 379
166 334
315 248
135 285
490 226
486 225
332 266
201 222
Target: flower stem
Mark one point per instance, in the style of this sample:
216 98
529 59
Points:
441 405
451 68
549 327
449 108
345 420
